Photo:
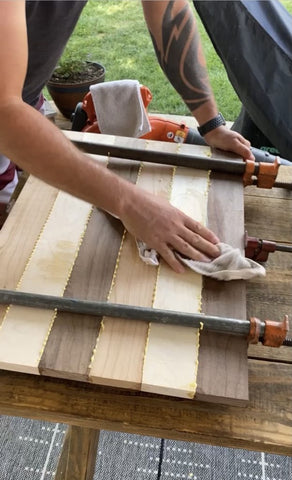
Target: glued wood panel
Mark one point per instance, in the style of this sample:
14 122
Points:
124 344
24 330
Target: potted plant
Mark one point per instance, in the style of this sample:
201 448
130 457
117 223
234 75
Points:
71 80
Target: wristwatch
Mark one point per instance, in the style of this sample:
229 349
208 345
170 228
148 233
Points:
211 124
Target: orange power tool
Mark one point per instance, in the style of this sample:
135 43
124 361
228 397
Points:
84 119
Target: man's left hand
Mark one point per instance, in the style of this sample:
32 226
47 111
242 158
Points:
230 141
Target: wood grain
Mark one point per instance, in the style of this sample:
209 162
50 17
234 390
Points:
78 456
119 354
259 211
22 229
263 425
271 297
225 356
90 279
171 356
25 330
56 360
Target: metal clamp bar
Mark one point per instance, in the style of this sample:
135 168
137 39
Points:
269 332
152 156
169 317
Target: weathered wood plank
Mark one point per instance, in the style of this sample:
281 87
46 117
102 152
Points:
78 456
271 297
258 214
263 425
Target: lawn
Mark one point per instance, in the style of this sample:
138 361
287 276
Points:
113 32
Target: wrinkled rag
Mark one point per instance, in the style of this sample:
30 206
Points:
120 109
230 265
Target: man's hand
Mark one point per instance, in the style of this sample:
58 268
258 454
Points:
229 140
166 229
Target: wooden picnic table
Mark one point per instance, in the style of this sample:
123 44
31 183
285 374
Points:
264 424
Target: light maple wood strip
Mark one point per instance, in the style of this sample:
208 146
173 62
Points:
170 365
24 330
119 352
21 230
90 279
171 357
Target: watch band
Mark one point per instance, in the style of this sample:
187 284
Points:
212 124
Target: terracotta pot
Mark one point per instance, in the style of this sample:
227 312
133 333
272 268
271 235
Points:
67 94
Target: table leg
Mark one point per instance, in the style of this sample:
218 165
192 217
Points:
78 456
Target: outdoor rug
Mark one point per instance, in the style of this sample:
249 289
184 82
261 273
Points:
29 450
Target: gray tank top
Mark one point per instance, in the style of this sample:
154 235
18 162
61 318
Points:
49 26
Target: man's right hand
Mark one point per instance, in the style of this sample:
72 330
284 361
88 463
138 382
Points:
166 229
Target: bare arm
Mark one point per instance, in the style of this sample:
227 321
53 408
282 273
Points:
177 44
36 145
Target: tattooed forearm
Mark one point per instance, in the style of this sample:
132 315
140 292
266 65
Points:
181 58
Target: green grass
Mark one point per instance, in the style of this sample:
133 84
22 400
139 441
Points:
114 33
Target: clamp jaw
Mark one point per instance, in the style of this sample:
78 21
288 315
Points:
258 249
261 174
269 332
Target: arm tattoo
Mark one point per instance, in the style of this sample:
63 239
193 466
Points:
181 58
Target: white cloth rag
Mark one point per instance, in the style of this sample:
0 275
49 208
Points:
230 265
120 109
